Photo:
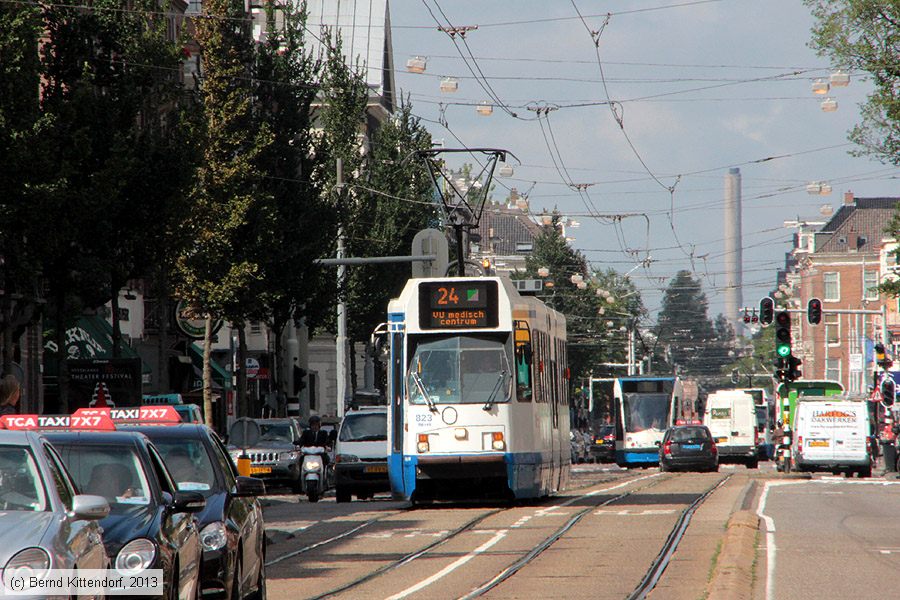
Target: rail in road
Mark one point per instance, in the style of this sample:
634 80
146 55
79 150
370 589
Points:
460 551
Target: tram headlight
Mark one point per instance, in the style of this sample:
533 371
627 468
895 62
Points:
497 442
422 446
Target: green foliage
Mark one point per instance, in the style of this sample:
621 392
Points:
756 359
388 220
693 344
594 337
220 273
864 35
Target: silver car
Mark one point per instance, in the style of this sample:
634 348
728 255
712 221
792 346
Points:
44 522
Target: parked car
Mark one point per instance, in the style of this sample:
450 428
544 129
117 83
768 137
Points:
361 450
189 413
151 523
231 526
44 521
688 447
275 457
604 447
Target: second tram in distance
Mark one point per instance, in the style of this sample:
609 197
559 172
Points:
477 383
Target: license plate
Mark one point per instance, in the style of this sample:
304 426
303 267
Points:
720 440
692 446
376 469
819 443
260 470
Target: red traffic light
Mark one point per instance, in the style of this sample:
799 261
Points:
814 311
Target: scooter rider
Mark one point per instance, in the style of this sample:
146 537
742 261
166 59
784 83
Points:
314 436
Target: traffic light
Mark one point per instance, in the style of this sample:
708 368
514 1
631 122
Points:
766 310
814 311
780 368
783 333
888 391
299 383
881 358
793 367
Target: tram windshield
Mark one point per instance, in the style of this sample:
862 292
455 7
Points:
459 370
645 411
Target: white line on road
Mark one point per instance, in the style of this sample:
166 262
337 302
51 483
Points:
451 567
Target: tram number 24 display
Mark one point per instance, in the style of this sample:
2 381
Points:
457 304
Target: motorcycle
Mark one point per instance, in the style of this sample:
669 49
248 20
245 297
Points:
783 455
313 473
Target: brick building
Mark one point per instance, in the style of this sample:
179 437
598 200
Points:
841 263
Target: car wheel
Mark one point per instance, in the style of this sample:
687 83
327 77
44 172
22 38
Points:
342 495
753 464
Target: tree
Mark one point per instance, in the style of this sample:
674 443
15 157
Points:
394 205
683 327
220 274
20 123
864 35
588 341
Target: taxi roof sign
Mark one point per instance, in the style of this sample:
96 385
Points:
136 414
95 422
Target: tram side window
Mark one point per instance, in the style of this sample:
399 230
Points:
523 372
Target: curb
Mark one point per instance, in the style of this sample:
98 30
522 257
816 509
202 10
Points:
733 574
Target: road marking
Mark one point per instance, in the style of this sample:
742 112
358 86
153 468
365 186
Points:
771 549
451 567
629 513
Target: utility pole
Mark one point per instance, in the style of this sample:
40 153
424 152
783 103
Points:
341 342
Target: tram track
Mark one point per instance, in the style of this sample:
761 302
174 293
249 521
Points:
653 574
294 553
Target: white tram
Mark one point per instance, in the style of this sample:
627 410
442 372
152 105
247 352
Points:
477 383
645 408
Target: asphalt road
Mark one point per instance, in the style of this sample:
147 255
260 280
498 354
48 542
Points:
610 528
830 538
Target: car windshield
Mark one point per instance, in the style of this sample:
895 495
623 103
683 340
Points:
689 434
364 427
188 463
275 432
459 369
116 473
20 482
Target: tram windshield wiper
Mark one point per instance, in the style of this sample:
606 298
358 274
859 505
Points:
421 386
490 401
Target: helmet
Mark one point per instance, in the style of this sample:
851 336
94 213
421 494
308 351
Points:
315 419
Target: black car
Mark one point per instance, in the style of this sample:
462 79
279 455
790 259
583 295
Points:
150 524
232 532
688 447
604 447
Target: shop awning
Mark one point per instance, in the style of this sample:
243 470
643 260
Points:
219 375
90 338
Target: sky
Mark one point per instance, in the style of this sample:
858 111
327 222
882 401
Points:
699 87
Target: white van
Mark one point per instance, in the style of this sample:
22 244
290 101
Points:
832 435
360 454
731 418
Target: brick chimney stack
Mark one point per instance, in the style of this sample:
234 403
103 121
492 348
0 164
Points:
848 198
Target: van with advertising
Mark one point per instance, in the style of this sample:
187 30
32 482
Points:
832 435
731 418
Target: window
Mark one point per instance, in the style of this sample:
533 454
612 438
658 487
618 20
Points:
832 283
255 327
833 369
832 329
870 281
63 486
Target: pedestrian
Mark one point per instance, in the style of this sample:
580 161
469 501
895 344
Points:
9 395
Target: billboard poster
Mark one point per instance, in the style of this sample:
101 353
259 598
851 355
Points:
99 383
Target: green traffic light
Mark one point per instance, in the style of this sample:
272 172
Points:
783 350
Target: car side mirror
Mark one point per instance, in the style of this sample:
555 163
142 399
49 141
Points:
188 502
86 507
249 486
